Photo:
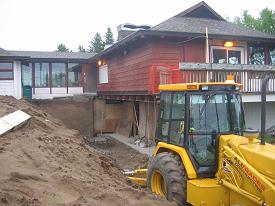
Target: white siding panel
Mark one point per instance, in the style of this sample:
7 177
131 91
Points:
13 87
44 93
59 90
41 93
17 79
7 87
253 114
75 90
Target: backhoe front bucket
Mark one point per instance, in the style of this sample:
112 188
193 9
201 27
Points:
137 176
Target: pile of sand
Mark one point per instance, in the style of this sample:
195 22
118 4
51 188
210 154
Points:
45 163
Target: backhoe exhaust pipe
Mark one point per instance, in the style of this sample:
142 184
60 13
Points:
263 109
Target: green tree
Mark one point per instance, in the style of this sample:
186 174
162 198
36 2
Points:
97 44
265 22
62 48
81 49
109 37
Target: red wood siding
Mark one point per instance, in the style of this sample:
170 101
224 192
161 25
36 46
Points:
132 71
171 52
129 72
166 53
194 51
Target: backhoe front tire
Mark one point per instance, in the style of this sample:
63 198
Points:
166 177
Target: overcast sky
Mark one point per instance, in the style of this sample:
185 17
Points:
43 24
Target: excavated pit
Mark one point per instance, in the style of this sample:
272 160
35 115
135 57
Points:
44 163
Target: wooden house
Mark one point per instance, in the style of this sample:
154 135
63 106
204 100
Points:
130 71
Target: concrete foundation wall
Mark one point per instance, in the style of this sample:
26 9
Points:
107 117
253 114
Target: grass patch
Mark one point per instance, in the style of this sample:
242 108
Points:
270 139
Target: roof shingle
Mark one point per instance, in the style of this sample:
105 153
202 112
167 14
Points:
215 27
52 55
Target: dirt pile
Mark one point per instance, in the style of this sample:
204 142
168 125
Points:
44 163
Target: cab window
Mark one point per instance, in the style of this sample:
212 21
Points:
177 119
164 116
171 117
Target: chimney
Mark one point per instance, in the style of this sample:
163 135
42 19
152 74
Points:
126 29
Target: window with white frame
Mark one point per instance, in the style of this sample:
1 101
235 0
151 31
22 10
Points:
103 74
223 55
6 71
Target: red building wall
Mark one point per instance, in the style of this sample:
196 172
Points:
171 52
130 69
194 51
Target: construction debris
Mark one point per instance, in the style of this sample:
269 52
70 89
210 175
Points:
12 121
142 142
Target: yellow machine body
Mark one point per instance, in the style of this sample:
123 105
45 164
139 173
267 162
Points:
245 169
194 86
245 174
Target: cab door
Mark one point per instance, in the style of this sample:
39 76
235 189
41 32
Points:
171 124
202 141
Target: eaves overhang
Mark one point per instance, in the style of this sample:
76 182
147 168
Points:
147 33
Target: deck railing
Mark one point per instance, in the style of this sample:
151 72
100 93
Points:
249 75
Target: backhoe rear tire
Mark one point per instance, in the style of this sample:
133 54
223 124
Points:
166 177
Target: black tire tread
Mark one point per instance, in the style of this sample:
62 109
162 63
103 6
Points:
174 174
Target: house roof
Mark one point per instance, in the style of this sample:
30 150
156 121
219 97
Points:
195 20
201 10
52 55
27 55
192 23
215 27
6 55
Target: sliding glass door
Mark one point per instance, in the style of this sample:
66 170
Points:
223 55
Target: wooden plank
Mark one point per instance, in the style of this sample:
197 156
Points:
124 127
230 67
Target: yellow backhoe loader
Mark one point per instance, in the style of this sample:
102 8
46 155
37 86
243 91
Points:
204 155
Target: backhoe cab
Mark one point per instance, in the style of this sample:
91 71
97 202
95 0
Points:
202 156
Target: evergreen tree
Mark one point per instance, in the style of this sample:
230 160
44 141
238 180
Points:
97 44
265 22
62 48
109 37
81 49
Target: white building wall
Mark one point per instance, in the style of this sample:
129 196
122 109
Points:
253 114
13 87
17 80
45 93
7 87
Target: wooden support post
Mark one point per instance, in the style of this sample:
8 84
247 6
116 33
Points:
266 56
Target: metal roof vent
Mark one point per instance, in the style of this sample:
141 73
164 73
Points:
128 28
